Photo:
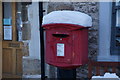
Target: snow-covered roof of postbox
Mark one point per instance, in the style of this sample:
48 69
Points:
68 17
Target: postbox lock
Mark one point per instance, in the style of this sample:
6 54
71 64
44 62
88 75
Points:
61 39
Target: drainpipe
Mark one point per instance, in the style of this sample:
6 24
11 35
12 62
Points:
41 41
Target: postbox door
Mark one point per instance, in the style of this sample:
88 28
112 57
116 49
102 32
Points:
60 43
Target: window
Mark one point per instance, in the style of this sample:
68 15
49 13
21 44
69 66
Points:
115 29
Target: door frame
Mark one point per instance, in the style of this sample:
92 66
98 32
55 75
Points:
1 39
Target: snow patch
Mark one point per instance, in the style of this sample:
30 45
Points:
110 76
32 76
69 17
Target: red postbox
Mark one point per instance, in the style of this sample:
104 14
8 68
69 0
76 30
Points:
66 45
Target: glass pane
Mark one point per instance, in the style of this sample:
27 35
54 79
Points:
7 10
118 14
117 41
19 22
118 18
117 2
7 21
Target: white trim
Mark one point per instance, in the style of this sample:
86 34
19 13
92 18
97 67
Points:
105 32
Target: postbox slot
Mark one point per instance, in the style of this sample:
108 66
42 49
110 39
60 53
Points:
60 35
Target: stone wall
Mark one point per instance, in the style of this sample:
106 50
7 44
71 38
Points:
90 8
31 66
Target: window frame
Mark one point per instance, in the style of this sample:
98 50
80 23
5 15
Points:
114 50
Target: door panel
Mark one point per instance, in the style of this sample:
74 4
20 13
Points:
19 62
12 59
7 58
12 51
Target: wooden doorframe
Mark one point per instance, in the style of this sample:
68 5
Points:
1 39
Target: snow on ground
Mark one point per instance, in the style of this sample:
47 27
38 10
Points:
32 76
69 17
110 76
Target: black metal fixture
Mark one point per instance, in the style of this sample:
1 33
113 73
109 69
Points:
41 41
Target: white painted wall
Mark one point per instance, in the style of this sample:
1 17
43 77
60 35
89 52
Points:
33 16
34 43
105 32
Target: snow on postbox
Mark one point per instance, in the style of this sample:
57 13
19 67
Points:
66 38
